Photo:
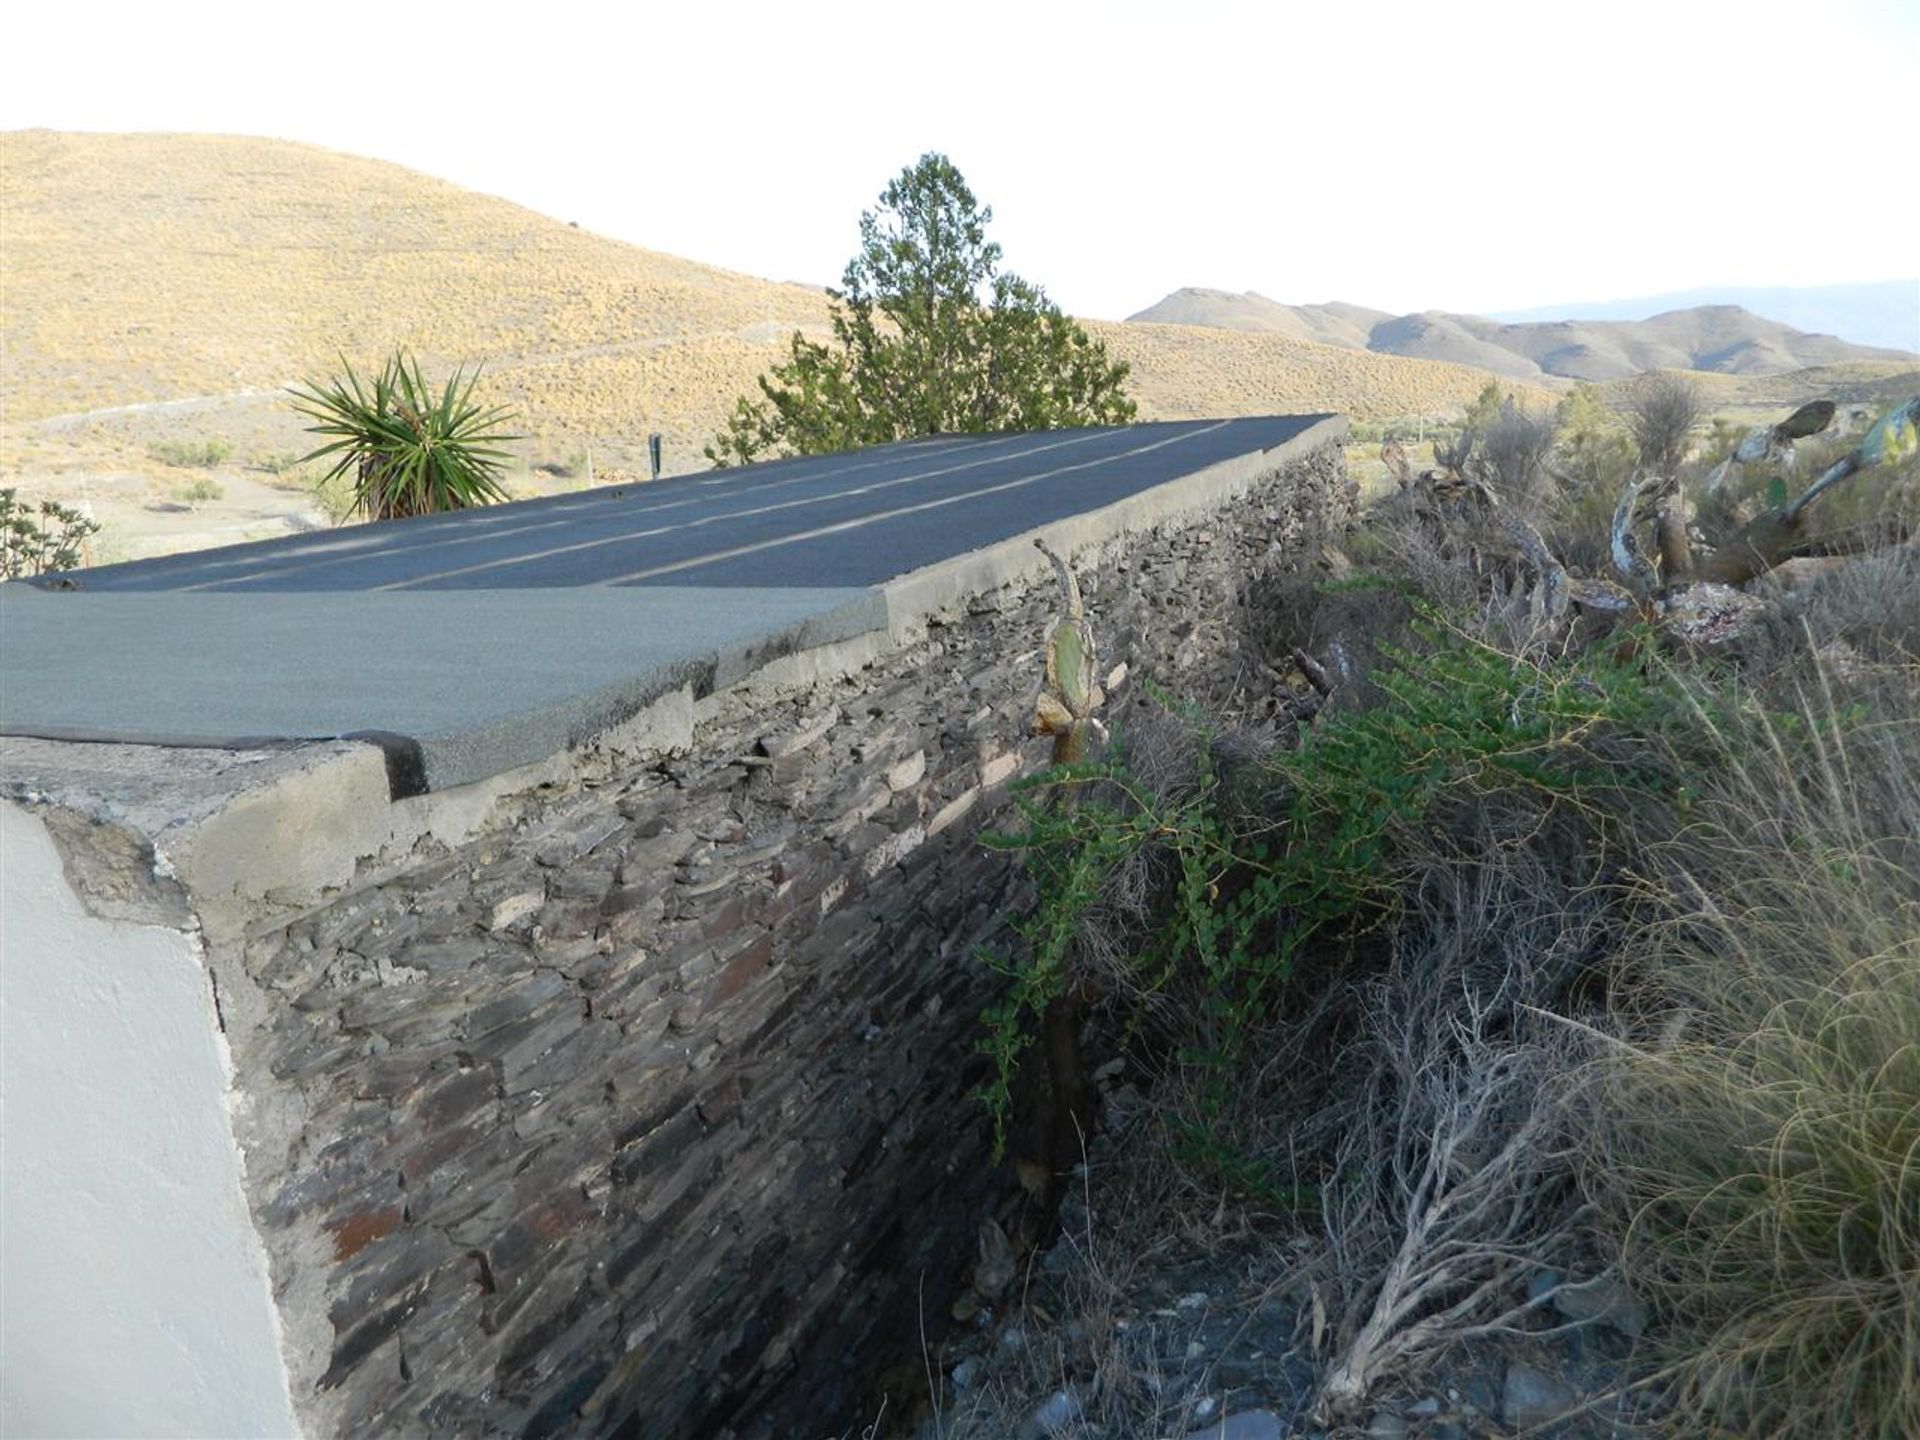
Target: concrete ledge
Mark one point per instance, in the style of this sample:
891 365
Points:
479 681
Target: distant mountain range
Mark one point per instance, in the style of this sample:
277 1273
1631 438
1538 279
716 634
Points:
1882 312
1727 339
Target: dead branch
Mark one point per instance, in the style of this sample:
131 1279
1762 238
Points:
1463 1129
1394 456
1315 672
1454 455
1623 547
1670 536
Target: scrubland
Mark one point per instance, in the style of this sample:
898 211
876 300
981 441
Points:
1508 1020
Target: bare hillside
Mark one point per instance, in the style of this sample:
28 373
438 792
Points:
1874 312
143 268
161 290
1185 371
1721 339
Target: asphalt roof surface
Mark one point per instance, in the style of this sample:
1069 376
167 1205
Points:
466 644
842 520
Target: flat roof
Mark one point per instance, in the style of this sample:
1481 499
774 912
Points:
492 637
859 518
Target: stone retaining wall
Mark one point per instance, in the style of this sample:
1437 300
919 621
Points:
637 1102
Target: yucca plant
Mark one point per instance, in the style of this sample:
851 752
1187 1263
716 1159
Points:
404 449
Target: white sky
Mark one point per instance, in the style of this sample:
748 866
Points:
1455 156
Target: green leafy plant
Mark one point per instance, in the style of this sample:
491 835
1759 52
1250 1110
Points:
405 449
191 454
930 337
198 493
1242 887
35 540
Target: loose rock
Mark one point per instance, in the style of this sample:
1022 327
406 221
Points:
1603 1301
1245 1425
1533 1397
1056 1412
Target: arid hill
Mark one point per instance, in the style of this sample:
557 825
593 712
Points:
143 268
1723 339
162 290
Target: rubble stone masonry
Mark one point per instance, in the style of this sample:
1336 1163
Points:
638 1103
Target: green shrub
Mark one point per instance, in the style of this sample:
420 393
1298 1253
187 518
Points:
191 454
198 493
38 540
335 495
278 462
1233 869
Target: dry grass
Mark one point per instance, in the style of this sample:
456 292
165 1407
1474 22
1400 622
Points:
1759 1140
1455 1152
144 268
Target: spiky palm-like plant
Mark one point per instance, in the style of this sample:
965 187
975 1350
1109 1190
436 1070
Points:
406 450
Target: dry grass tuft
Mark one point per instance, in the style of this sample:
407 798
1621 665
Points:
1759 1143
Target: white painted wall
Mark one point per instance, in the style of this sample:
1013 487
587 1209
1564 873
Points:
133 1288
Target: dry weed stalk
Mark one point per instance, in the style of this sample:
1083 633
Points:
1456 1164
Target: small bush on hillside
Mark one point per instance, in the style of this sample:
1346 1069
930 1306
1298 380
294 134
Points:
1661 415
278 462
191 454
198 493
1592 462
335 496
1518 449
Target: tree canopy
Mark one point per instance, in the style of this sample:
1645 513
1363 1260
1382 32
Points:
930 337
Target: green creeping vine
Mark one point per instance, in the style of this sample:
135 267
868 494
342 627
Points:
1244 883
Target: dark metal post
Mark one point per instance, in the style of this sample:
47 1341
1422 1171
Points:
653 452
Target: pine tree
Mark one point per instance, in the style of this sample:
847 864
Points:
930 337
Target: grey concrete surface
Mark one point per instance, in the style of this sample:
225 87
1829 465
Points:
481 680
862 518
